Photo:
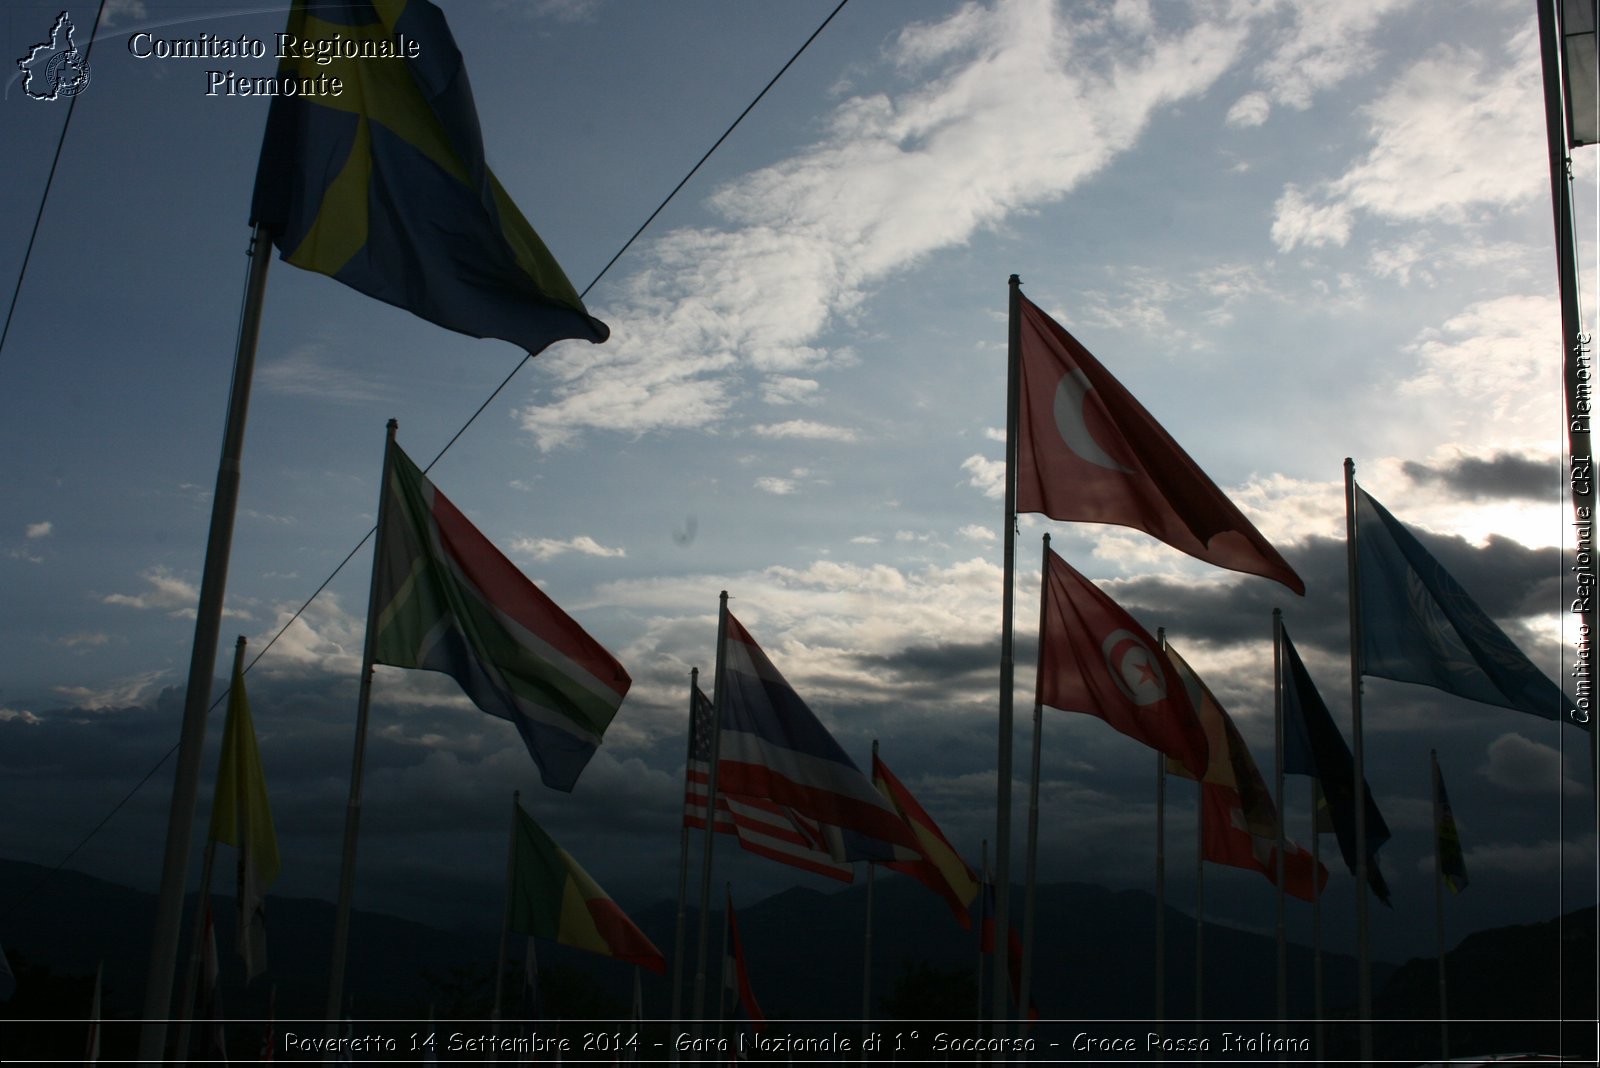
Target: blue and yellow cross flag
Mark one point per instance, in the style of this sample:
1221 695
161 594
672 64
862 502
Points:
372 172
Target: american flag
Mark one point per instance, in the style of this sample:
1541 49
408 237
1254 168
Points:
762 827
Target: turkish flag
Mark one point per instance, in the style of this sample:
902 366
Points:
1094 658
1087 451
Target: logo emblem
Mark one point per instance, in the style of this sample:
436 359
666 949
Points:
1134 667
55 68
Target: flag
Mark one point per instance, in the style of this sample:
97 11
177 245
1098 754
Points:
1013 949
775 749
449 601
208 1014
1312 745
737 980
939 868
552 897
1447 840
1418 625
241 816
1094 658
1239 823
1087 451
384 185
762 827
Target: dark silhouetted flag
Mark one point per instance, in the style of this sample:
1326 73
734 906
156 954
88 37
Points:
774 748
449 601
1087 451
384 186
1094 658
1239 821
737 980
939 868
1418 625
1312 745
553 897
1447 840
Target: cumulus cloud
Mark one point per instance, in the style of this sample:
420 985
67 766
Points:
807 430
898 177
39 530
1457 116
548 548
1522 765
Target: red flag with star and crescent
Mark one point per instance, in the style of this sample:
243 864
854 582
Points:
1095 658
1088 452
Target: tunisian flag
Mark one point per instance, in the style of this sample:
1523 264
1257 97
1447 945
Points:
1087 451
1094 658
1239 821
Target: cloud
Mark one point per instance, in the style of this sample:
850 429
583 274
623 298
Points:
1455 116
1251 109
778 487
134 690
549 548
39 530
986 474
1502 475
1321 47
974 532
806 429
306 371
167 593
897 178
1521 765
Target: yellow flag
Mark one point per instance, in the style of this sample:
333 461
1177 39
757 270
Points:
242 817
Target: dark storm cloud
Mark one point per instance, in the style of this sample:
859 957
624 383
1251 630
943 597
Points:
1504 476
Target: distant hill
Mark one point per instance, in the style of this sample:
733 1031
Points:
1094 959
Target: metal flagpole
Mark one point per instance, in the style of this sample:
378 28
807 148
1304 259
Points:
722 968
683 858
352 812
202 663
1438 912
1161 893
1364 960
1576 346
188 992
505 915
1316 915
1031 872
711 811
866 945
1283 836
1002 845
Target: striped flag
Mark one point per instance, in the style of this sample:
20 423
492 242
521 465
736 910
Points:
553 897
774 748
1447 840
736 979
939 868
242 817
449 601
762 827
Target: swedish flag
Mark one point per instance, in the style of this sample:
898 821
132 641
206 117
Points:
383 185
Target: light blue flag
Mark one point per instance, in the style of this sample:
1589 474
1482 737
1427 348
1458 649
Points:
1418 625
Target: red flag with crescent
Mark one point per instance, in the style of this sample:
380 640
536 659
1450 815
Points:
1088 452
1095 658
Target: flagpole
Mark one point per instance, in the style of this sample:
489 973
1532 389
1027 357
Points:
1364 961
1002 845
352 812
1199 907
505 915
1575 344
866 950
1316 915
722 969
1277 736
202 663
191 978
1438 911
1161 894
1030 877
683 860
711 815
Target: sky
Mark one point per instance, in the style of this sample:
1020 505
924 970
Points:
1295 233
